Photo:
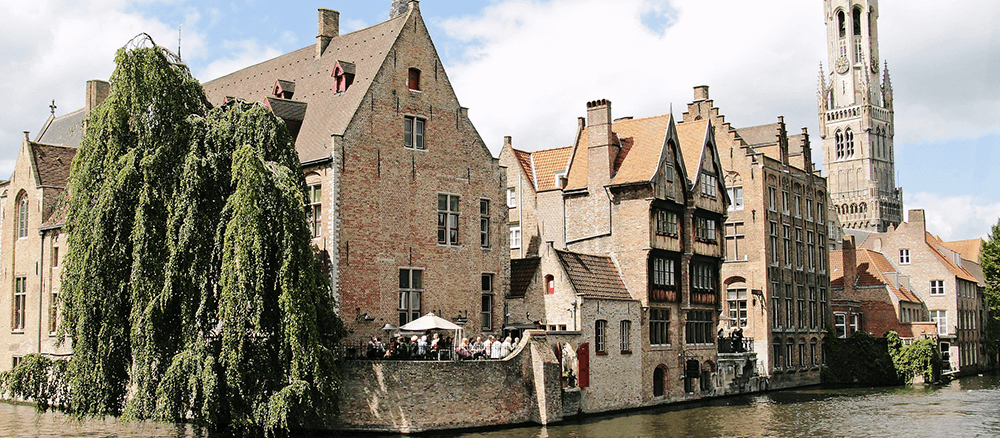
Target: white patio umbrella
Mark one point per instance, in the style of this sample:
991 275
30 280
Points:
431 321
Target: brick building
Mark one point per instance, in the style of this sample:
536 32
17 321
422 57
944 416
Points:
868 294
777 233
32 242
951 293
406 201
644 200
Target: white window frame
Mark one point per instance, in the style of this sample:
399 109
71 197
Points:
736 195
937 288
452 219
515 237
416 138
511 197
625 333
940 317
904 256
410 295
601 336
314 209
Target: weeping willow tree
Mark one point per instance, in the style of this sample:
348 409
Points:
190 287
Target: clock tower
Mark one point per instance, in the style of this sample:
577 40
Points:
856 120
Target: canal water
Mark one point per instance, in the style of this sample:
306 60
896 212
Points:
967 407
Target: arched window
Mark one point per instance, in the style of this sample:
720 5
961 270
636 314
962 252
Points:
856 21
659 378
413 79
841 25
849 140
779 360
854 208
840 144
550 284
22 215
863 207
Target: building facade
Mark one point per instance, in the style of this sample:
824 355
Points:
856 119
647 196
778 232
952 295
405 200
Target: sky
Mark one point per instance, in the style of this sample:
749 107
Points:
760 59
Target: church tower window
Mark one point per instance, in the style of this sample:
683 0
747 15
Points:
849 140
840 144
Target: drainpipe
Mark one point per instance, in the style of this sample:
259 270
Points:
41 287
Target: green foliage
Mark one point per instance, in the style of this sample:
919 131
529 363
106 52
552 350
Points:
922 357
190 289
36 378
989 258
861 359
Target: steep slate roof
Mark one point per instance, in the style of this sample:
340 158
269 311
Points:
66 130
328 112
968 249
642 143
759 135
52 163
872 268
522 271
593 276
692 138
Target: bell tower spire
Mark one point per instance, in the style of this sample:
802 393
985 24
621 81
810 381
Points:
856 119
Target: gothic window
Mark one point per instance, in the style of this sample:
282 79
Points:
840 144
841 25
22 215
849 140
856 21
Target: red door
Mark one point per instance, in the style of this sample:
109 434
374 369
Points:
583 359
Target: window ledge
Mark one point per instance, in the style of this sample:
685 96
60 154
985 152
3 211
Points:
601 353
17 332
626 351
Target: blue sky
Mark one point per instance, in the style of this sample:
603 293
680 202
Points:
761 60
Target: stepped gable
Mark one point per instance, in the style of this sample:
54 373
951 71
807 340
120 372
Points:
328 112
522 271
66 130
593 276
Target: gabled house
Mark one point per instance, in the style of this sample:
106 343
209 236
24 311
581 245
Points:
646 198
404 199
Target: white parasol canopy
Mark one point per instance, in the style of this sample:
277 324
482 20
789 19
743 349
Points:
429 322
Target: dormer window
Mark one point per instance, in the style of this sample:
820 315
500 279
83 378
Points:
343 75
413 80
283 89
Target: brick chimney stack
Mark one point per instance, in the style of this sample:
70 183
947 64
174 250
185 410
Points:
700 93
601 153
97 91
329 28
850 266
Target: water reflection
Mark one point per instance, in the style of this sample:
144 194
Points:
965 407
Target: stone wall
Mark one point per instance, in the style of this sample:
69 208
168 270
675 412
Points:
416 396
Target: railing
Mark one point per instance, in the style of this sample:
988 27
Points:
843 113
731 345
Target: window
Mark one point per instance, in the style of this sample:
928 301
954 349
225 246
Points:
849 138
704 229
940 317
53 312
487 305
789 345
779 361
802 310
735 241
774 244
699 327
799 249
772 196
736 196
822 306
789 310
855 322
788 246
702 277
821 254
484 223
665 188
840 144
820 213
20 303
775 307
550 284
809 209
784 202
812 307
626 332
904 256
812 352
413 79
659 326
314 209
22 216
664 274
447 219
737 302
413 132
511 197
709 185
811 242
515 237
802 354
840 324
666 223
55 256
937 287
411 287
797 205
600 336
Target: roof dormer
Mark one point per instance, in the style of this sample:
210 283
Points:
343 75
283 89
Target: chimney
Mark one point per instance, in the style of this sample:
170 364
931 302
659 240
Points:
916 216
399 7
850 266
507 141
700 93
329 28
601 153
97 91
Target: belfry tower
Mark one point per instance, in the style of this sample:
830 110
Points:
856 119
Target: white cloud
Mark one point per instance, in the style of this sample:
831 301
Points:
243 53
530 66
52 47
955 217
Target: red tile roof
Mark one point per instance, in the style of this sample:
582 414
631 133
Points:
642 144
957 270
547 163
692 136
872 270
968 249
